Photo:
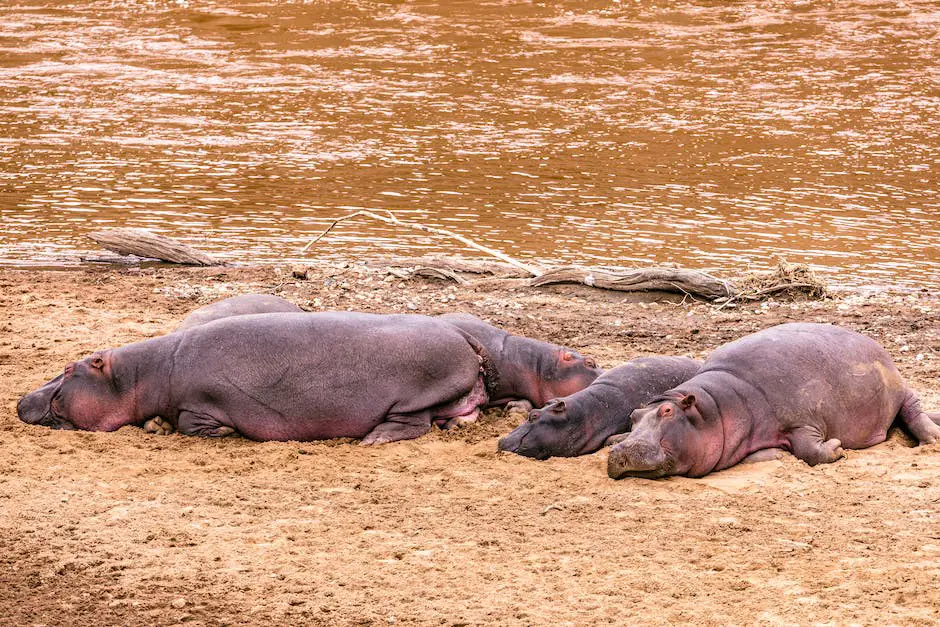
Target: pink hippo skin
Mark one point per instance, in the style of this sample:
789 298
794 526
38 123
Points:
810 389
530 371
580 423
278 376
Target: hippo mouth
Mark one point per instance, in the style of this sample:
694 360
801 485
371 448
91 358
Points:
515 443
50 418
54 421
623 462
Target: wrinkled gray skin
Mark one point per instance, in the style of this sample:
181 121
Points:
278 376
810 389
530 371
234 306
241 305
582 422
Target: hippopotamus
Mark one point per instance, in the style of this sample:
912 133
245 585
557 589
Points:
580 423
234 306
279 376
810 389
530 371
240 305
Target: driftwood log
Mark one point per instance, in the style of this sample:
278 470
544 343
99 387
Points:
452 264
792 278
690 282
143 243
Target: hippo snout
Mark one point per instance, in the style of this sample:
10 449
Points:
511 441
636 458
32 409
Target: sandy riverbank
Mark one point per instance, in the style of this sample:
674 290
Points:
125 527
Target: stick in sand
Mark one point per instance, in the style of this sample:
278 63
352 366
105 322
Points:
391 219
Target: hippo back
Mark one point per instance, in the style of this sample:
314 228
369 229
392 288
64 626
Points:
240 305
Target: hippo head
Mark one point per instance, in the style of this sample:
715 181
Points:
571 372
560 429
669 437
86 396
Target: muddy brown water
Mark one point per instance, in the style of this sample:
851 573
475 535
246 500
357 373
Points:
709 134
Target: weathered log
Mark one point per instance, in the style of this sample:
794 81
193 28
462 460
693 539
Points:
690 282
453 264
143 243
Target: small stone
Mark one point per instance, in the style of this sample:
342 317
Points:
299 272
179 603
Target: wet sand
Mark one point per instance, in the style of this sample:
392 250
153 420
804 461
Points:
126 527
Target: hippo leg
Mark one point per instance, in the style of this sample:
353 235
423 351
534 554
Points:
192 423
807 444
158 426
921 425
520 406
616 438
764 455
399 427
459 421
935 417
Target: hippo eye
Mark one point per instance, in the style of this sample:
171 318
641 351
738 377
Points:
666 411
97 362
589 362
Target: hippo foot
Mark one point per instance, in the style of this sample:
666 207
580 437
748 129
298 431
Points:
459 421
520 406
922 425
765 455
925 429
616 438
400 427
158 426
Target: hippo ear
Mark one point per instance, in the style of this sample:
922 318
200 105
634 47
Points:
558 407
687 401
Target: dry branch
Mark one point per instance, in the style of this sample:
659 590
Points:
391 219
690 282
143 243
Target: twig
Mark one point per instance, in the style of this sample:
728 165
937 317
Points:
391 219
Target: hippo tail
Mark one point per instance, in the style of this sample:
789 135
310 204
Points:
487 368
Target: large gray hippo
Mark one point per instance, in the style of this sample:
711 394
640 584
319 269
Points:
530 371
279 376
810 389
580 423
240 305
233 306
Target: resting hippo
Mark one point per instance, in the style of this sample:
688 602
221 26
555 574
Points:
238 306
580 423
529 370
279 376
810 389
234 306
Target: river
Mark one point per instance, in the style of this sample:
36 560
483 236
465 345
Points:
709 134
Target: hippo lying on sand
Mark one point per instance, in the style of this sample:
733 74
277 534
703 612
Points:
279 376
580 423
810 389
529 370
240 305
234 306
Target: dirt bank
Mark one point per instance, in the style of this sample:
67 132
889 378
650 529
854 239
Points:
125 527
